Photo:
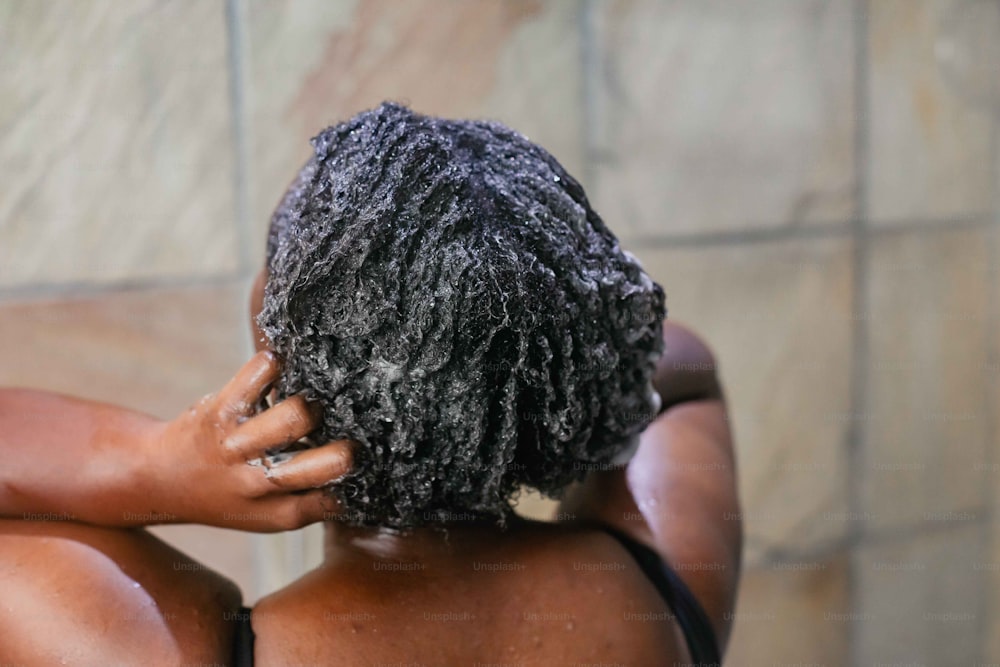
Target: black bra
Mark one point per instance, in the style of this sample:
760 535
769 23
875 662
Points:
698 632
690 616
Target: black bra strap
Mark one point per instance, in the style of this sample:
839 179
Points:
243 639
698 632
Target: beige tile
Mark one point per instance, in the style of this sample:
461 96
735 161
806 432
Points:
116 153
313 63
724 116
927 424
929 146
157 351
794 612
778 316
534 505
922 598
969 53
281 558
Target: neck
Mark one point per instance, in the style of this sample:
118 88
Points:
381 543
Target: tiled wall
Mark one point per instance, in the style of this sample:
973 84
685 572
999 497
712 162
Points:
814 182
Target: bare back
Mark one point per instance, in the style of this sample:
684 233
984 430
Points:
539 594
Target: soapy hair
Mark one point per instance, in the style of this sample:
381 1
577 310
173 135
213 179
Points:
445 290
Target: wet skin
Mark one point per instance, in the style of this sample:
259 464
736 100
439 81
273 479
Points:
534 593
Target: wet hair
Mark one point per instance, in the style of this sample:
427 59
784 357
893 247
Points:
445 290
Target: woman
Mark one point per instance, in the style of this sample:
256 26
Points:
444 292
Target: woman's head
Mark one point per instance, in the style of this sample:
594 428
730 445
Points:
447 293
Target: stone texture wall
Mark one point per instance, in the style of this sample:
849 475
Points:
814 182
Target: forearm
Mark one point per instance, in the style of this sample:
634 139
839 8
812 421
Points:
69 458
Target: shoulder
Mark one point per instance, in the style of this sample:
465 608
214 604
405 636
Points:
89 595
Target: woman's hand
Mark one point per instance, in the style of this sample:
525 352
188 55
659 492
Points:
217 463
69 459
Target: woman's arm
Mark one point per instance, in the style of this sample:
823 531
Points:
687 370
678 494
71 459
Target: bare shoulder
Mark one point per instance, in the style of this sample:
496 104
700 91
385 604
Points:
81 594
547 597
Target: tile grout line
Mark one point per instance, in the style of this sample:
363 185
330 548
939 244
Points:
83 289
236 40
859 303
262 559
589 75
86 290
829 548
737 237
832 229
931 225
992 530
836 229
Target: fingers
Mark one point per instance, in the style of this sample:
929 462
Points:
313 468
244 391
282 512
295 511
286 495
288 421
